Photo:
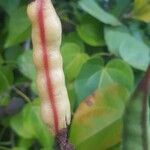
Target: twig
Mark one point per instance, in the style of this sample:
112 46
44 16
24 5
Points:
20 93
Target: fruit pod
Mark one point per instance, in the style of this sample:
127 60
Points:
46 39
136 118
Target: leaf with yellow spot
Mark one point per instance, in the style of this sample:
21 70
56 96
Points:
97 122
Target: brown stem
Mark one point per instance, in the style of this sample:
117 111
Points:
61 141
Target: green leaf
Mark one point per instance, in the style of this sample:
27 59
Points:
4 98
25 143
91 31
17 124
8 72
141 10
136 117
92 8
19 148
8 6
4 83
116 147
119 7
113 38
73 37
136 54
139 3
33 120
88 78
1 60
12 53
34 87
97 122
26 65
73 59
73 68
29 125
19 27
68 50
72 96
121 43
117 71
95 75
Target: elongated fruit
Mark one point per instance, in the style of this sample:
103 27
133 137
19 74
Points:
46 38
136 132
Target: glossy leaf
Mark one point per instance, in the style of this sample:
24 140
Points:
7 5
113 38
19 148
73 37
73 59
91 31
1 60
8 72
141 10
136 118
73 68
122 43
26 65
11 54
4 83
119 7
24 143
28 124
117 71
95 75
69 50
97 122
19 27
72 96
92 8
88 78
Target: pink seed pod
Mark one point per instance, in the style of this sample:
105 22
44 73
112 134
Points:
46 39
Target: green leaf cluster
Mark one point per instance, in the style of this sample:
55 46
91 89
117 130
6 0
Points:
105 50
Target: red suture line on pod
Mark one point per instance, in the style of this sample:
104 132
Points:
49 86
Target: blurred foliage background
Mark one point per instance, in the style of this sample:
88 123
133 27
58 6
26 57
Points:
105 49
